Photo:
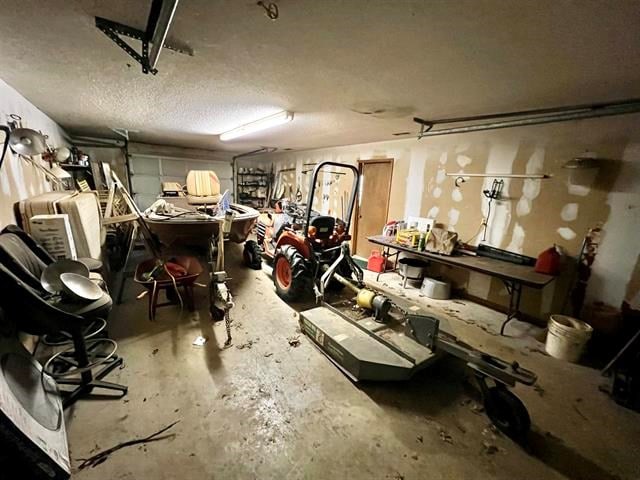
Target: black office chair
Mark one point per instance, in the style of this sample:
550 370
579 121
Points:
36 315
26 259
23 255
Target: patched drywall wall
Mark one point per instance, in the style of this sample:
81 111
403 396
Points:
18 179
533 214
614 276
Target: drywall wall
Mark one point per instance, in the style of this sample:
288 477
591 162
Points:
616 270
533 214
18 179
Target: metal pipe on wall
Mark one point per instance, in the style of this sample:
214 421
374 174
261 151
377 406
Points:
500 175
533 112
563 114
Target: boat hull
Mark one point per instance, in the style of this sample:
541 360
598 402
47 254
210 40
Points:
192 232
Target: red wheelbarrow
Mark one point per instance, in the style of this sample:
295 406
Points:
170 278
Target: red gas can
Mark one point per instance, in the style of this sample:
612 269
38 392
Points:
548 262
376 262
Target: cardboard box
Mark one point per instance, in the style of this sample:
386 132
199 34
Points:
53 232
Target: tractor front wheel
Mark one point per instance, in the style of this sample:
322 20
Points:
289 273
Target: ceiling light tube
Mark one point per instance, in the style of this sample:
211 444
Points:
279 118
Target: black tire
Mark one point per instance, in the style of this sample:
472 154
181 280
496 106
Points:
252 255
507 412
290 273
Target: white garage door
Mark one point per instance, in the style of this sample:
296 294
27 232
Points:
147 172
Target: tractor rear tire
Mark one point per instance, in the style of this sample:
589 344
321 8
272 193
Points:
290 275
252 255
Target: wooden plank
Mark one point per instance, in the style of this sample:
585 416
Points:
522 274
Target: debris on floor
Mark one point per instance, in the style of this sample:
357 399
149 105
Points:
490 431
248 344
101 457
199 341
444 435
489 448
460 427
294 341
575 407
396 476
536 350
539 390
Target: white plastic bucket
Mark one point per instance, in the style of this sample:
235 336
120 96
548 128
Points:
567 337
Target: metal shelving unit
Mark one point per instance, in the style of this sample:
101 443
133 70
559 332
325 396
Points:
253 188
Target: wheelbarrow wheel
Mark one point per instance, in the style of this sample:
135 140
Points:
507 412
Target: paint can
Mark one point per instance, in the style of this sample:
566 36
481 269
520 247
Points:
567 337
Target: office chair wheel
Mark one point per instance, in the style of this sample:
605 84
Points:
64 338
65 364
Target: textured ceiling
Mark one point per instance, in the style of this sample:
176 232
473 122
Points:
325 60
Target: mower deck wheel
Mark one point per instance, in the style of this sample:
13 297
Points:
507 412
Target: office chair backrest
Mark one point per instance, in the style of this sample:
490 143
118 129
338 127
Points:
28 309
17 255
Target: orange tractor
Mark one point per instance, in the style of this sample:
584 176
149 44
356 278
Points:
303 244
386 341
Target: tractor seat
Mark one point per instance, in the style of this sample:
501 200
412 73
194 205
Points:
324 226
203 187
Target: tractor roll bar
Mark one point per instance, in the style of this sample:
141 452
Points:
312 188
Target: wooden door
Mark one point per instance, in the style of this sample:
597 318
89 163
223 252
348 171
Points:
373 207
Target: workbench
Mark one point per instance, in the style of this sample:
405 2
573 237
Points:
512 275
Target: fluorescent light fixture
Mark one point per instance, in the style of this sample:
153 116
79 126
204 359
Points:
279 118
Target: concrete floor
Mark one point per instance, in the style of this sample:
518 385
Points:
266 409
